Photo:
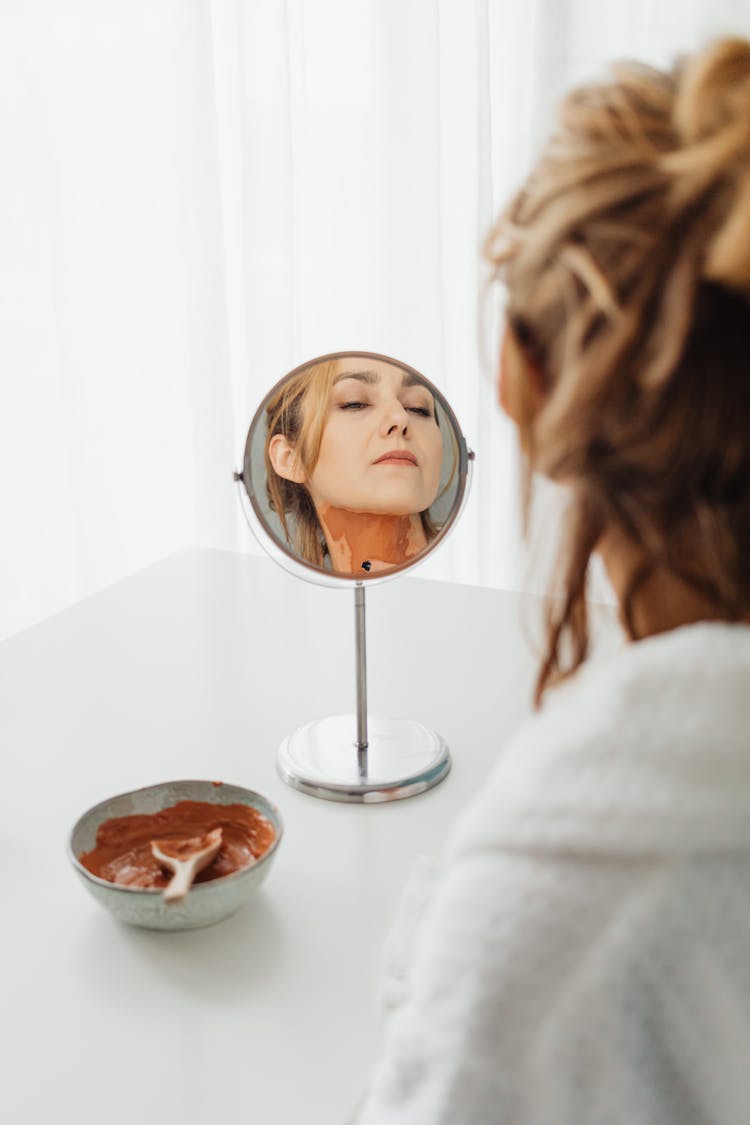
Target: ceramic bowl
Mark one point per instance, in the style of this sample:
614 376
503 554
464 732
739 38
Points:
207 902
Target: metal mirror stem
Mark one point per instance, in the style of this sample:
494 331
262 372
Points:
361 644
395 758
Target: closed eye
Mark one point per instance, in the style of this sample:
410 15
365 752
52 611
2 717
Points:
423 411
353 405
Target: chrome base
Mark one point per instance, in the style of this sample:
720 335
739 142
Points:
403 758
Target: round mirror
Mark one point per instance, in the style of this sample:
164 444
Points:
355 468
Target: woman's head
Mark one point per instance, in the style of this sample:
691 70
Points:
626 258
354 434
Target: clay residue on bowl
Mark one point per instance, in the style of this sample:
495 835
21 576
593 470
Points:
123 844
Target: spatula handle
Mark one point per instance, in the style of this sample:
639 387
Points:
180 883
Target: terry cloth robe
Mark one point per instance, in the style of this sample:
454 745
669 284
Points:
581 955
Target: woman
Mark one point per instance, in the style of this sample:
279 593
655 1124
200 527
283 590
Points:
582 954
353 461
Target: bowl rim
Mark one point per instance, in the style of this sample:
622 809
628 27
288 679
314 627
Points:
198 888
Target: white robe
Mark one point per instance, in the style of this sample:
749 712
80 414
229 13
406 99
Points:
581 955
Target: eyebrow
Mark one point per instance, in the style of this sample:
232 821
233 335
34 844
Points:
409 379
363 376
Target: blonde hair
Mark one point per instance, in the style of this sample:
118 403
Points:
626 257
299 411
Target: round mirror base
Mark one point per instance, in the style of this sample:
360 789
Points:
403 758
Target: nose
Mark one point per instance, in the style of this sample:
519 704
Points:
395 419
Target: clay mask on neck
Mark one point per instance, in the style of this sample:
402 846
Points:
382 541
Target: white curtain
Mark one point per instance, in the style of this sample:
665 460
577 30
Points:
200 194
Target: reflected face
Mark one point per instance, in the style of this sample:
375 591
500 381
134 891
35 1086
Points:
350 468
381 449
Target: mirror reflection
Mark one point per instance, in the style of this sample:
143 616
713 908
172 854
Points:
355 464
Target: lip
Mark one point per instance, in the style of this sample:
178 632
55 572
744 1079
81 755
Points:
396 456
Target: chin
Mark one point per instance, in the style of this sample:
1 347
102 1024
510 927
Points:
365 509
396 510
398 505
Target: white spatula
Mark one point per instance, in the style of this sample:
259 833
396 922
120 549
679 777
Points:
185 857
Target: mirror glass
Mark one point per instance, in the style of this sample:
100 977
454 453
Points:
355 467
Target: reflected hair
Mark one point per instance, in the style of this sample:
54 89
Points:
299 411
626 260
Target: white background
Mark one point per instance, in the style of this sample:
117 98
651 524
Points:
197 196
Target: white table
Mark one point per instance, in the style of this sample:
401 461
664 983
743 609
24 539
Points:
198 667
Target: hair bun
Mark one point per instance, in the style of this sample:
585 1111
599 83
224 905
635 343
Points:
712 119
714 93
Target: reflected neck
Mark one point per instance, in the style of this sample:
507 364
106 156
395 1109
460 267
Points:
382 540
